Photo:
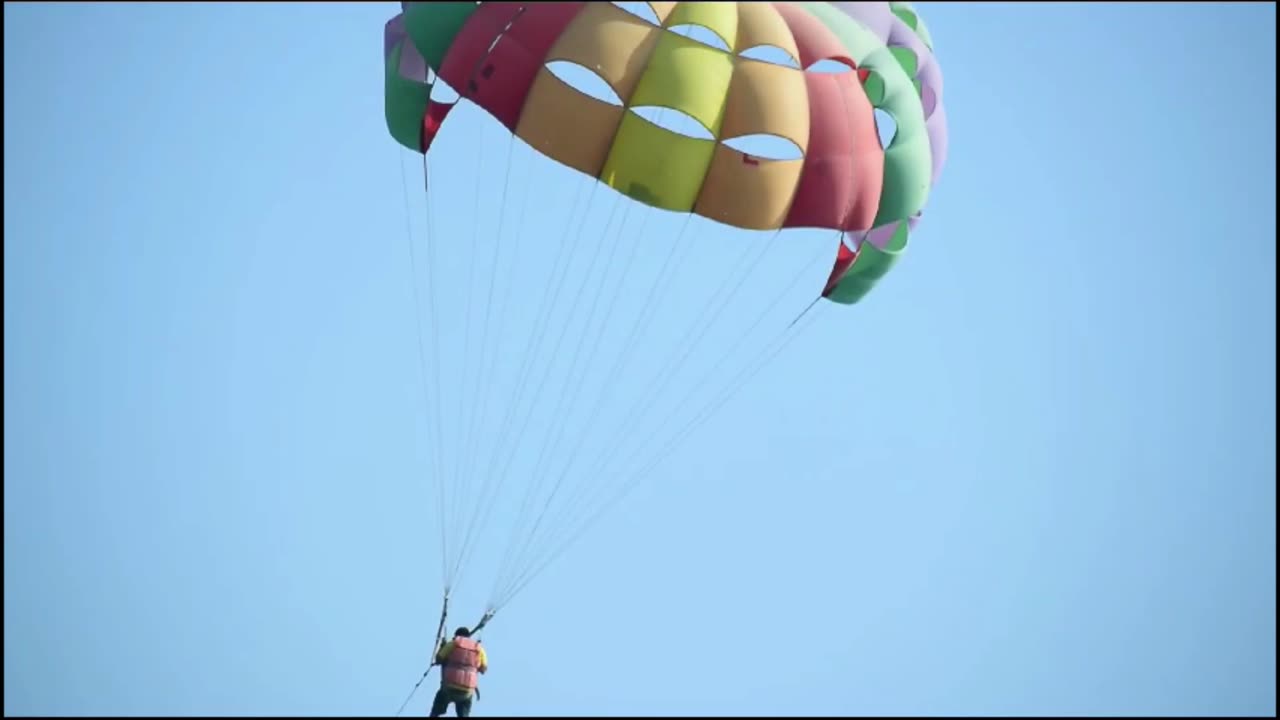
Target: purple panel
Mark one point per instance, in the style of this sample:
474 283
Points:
412 65
878 17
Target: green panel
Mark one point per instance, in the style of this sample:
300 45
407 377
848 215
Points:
406 103
873 86
906 57
908 15
907 160
905 15
656 166
433 25
872 265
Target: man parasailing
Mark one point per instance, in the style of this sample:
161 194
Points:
462 661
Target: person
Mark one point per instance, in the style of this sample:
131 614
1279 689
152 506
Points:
462 661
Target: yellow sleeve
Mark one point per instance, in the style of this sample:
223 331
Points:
444 651
484 658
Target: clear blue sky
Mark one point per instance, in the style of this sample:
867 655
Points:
1033 473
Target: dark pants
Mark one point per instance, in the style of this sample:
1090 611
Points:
461 700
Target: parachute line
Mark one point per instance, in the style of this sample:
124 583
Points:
533 547
806 310
763 359
574 305
430 396
466 409
625 353
470 452
537 335
475 522
463 467
560 501
540 472
528 545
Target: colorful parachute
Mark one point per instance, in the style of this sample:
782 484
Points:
496 54
870 139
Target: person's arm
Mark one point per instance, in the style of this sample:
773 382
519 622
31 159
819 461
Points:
484 661
443 653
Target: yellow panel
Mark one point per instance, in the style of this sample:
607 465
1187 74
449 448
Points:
566 125
759 23
720 17
611 41
656 166
688 76
767 98
744 195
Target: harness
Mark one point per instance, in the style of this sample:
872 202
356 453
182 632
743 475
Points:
462 667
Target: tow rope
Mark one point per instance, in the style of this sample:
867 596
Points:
435 649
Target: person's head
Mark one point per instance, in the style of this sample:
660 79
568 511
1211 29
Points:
462 632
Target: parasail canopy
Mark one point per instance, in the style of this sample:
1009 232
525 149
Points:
757 116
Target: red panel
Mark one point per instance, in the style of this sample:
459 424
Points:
825 193
472 42
843 170
867 157
844 260
431 122
498 80
841 180
813 39
541 24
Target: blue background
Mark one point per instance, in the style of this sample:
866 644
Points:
1032 473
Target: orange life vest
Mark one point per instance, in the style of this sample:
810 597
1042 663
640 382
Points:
462 667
